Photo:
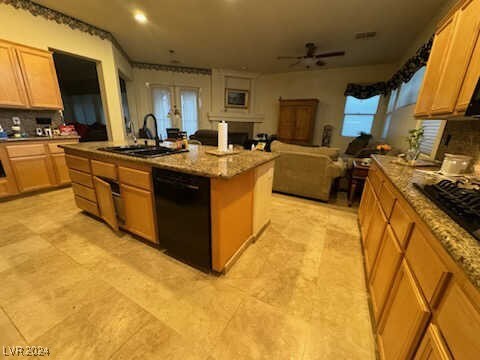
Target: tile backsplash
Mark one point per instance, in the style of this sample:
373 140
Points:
27 118
463 137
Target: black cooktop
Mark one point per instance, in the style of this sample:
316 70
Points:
461 202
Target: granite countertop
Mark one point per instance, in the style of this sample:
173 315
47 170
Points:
195 161
461 246
38 138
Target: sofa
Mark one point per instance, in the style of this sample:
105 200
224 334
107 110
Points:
306 171
210 137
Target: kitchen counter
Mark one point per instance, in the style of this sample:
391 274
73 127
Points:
461 246
196 161
40 138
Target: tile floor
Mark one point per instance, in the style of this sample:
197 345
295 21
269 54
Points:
69 283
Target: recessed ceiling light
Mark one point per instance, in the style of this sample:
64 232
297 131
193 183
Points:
140 17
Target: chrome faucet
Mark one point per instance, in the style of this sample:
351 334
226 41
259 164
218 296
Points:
157 138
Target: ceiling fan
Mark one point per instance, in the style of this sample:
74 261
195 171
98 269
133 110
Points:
311 58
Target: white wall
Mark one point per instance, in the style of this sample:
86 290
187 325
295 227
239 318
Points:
21 27
328 86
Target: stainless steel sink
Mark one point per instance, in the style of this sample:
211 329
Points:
145 151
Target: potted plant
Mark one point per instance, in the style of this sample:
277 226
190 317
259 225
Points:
415 138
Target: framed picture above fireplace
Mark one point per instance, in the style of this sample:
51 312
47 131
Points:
235 98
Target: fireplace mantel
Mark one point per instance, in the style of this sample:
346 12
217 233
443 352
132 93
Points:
236 117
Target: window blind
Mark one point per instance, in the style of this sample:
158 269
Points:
431 134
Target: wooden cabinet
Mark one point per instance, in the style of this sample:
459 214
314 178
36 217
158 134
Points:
405 317
471 79
139 214
61 169
33 172
377 226
432 346
457 58
459 321
105 202
364 208
384 270
297 120
40 78
402 223
12 89
28 78
435 65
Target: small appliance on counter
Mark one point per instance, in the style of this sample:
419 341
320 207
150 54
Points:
455 165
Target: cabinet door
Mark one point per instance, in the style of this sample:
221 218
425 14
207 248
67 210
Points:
457 58
435 67
286 123
12 90
377 226
384 270
364 202
404 318
33 172
139 213
105 202
432 346
61 168
459 321
40 78
304 124
471 78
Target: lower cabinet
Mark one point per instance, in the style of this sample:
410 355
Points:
432 346
61 169
33 172
139 214
374 234
105 202
405 317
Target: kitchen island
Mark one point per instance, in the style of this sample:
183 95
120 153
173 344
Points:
202 209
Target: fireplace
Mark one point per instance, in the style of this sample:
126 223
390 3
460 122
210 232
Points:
245 127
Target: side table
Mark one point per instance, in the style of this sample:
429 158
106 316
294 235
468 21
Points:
358 174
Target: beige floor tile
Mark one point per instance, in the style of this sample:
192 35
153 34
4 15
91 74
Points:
9 335
22 250
259 331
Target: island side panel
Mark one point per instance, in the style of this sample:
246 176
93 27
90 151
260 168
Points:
262 197
231 215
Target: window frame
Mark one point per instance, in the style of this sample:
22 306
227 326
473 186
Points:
345 114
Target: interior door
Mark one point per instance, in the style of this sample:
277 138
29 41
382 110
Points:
40 78
458 57
435 66
105 202
12 90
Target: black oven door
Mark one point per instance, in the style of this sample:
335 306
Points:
474 106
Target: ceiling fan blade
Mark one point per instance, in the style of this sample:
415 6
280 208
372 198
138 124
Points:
320 63
289 57
330 54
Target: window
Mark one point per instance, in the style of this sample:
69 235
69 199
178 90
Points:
187 102
359 115
189 110
433 130
409 91
388 118
161 109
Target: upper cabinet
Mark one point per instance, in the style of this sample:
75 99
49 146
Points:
453 67
29 79
12 90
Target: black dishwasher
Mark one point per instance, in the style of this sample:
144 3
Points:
183 216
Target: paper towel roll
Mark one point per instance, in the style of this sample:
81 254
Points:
222 136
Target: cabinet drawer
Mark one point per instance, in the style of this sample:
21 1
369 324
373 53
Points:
387 199
84 192
459 322
25 150
81 178
54 148
430 272
78 163
86 205
138 178
401 223
104 169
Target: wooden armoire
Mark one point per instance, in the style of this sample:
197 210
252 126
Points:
296 121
